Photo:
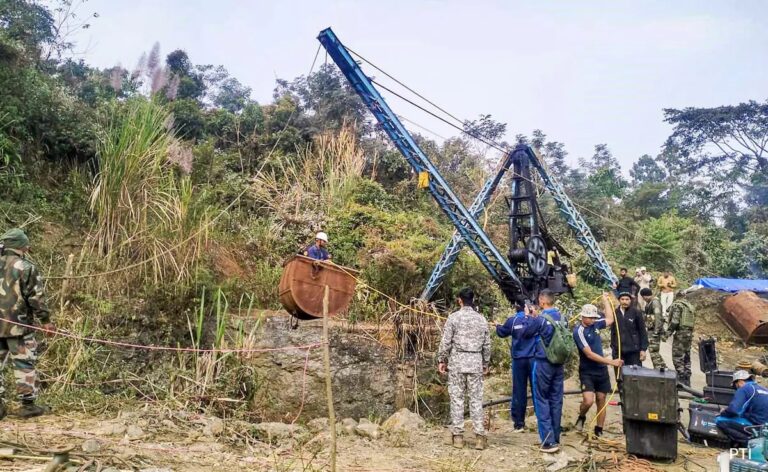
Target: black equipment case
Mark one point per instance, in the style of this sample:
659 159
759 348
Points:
702 428
719 396
707 355
719 378
650 409
649 394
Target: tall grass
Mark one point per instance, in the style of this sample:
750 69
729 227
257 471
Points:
143 210
319 176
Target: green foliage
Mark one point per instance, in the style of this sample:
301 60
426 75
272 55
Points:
188 120
647 171
141 208
27 22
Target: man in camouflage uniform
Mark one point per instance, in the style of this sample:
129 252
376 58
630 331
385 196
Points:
465 353
21 301
681 321
654 320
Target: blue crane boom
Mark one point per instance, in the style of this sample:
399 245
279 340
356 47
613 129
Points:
451 252
574 219
464 222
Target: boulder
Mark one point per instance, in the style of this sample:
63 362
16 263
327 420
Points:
348 426
213 427
367 429
403 421
134 432
318 425
363 371
278 431
90 446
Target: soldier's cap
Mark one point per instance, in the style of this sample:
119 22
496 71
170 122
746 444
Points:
589 311
15 239
625 294
741 375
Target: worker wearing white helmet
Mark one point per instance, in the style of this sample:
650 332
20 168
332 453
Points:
318 250
749 407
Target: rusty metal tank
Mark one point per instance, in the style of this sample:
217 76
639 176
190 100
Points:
303 282
747 315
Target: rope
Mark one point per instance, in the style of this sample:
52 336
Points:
498 146
152 347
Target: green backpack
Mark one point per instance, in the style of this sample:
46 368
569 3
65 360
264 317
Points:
562 344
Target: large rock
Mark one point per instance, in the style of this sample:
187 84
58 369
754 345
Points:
363 372
91 446
318 425
278 431
348 426
213 427
403 421
367 429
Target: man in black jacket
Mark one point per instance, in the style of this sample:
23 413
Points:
632 338
626 284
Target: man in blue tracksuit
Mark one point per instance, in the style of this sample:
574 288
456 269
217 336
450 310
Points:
749 407
547 384
521 350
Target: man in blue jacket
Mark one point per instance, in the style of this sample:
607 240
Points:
749 407
319 250
521 350
547 378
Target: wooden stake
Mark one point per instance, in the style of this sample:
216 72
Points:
65 284
328 389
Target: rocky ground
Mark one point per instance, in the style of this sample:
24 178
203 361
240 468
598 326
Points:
156 437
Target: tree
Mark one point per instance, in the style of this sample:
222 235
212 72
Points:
724 146
231 95
604 173
190 81
647 170
730 140
29 23
554 154
327 96
485 127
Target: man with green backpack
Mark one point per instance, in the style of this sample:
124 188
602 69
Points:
681 321
554 347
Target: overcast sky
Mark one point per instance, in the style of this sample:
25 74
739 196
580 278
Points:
584 72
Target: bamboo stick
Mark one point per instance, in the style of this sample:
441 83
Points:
328 389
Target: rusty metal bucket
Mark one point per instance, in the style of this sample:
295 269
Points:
747 315
303 282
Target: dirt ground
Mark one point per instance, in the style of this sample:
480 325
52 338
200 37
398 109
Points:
155 438
166 440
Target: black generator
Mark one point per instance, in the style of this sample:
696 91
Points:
651 412
702 428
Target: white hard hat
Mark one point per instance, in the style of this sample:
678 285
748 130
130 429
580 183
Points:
643 269
322 236
589 311
741 375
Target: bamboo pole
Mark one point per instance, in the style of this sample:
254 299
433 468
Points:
328 389
65 284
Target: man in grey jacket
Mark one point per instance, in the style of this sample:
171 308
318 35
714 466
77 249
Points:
465 354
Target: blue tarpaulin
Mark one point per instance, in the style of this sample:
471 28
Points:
734 285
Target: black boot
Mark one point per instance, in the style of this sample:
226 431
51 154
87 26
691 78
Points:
30 410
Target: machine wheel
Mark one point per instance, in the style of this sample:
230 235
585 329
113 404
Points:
537 255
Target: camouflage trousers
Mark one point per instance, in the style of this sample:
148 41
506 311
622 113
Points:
472 385
654 346
681 355
22 352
